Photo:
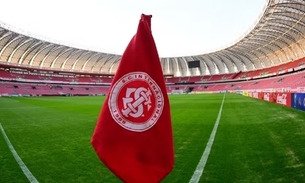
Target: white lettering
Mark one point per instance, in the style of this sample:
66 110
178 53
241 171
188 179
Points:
136 102
266 96
281 99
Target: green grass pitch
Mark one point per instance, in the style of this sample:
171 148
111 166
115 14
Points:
256 141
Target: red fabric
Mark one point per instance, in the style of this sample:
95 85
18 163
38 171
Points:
135 150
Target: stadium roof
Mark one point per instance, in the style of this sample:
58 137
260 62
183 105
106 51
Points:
277 37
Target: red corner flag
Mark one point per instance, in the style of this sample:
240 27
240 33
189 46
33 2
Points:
133 135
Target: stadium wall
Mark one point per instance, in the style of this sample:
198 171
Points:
293 100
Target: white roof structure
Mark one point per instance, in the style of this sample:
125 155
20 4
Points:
277 37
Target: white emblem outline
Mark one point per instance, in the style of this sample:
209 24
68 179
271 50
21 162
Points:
116 112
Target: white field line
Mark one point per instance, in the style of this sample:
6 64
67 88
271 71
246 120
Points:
23 167
200 167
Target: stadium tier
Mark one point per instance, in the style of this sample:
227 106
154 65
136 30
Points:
25 82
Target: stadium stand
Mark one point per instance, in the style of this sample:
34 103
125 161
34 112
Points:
27 83
270 56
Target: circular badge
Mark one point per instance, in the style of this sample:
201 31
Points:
136 102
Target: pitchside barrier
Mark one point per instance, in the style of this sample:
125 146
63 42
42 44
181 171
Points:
294 100
298 101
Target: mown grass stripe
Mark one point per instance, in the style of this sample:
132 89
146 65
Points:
200 167
23 167
18 108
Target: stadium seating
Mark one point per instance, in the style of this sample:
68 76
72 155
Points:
27 83
5 74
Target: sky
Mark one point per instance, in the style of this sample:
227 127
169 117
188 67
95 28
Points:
179 27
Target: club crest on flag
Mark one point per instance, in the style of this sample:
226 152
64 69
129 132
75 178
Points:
136 102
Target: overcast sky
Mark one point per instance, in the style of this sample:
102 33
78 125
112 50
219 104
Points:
180 27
